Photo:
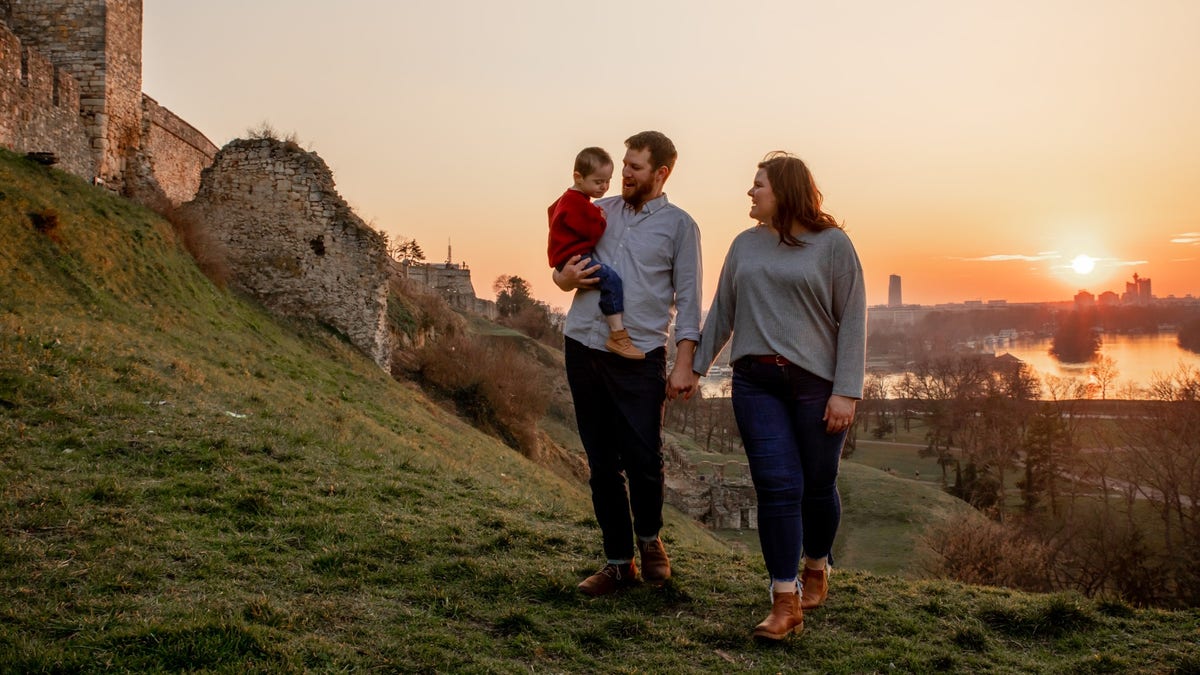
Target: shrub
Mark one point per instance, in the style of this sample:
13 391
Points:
46 222
989 554
492 383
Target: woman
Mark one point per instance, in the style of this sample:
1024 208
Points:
791 296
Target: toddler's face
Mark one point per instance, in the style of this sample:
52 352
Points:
595 184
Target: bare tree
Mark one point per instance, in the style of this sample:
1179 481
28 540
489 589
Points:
1103 374
947 389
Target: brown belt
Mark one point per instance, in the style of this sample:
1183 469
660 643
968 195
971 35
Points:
772 359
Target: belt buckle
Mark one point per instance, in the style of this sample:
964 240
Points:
780 361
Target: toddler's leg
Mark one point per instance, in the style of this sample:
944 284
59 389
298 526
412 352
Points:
612 305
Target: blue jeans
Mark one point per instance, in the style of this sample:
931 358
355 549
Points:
612 291
619 408
793 461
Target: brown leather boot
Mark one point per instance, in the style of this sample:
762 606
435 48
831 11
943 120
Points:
656 566
785 617
609 579
814 586
619 343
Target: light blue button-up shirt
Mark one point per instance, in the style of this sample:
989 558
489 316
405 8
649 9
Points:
656 252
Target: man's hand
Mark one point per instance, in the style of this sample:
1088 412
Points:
682 380
575 274
839 413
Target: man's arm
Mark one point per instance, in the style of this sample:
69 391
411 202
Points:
575 274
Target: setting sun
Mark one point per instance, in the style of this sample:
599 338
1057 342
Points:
1083 264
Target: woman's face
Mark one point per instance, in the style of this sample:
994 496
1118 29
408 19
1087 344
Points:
762 199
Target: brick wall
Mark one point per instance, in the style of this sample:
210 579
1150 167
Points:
292 241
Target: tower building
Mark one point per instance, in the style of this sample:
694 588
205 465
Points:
894 297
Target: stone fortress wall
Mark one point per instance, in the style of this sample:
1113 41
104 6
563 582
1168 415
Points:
82 59
39 106
293 242
450 280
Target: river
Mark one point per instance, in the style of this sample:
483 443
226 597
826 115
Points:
1139 358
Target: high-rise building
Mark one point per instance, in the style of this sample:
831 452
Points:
894 297
1137 291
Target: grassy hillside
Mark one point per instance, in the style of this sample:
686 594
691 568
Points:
189 484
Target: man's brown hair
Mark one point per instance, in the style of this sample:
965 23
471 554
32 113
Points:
662 150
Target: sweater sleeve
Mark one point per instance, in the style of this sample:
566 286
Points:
686 277
850 311
718 326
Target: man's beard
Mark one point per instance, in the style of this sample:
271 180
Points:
639 196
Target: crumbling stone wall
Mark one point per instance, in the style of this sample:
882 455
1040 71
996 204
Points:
292 241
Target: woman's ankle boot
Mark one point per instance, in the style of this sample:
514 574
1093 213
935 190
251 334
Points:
785 617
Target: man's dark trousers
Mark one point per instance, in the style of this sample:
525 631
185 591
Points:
619 409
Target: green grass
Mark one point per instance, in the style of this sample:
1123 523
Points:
188 484
902 460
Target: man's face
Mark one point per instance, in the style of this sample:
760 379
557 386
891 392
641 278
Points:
639 181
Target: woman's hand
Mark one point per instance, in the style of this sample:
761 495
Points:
839 413
575 274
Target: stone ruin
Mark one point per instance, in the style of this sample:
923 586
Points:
291 241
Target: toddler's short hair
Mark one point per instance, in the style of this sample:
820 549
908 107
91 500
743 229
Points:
590 159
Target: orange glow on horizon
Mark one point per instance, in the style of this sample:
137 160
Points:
972 169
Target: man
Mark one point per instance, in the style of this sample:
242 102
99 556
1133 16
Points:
655 247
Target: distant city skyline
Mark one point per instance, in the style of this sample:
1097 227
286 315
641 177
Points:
1138 289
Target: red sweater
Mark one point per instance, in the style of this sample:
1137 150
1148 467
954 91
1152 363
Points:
575 226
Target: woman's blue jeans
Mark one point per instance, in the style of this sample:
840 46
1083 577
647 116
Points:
793 461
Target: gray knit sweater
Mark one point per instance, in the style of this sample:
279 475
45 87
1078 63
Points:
807 304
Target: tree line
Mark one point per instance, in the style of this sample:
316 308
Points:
1098 496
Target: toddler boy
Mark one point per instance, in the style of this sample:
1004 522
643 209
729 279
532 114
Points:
576 225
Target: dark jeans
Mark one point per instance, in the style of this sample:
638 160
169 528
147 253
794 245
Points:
612 291
793 461
619 408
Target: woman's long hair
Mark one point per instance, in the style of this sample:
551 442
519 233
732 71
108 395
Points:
797 198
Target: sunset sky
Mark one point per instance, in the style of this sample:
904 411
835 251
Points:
974 148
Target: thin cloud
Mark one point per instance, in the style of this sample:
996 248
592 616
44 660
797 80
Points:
1186 238
1008 257
1128 263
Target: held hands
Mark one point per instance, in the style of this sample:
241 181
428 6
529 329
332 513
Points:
839 414
682 381
575 274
